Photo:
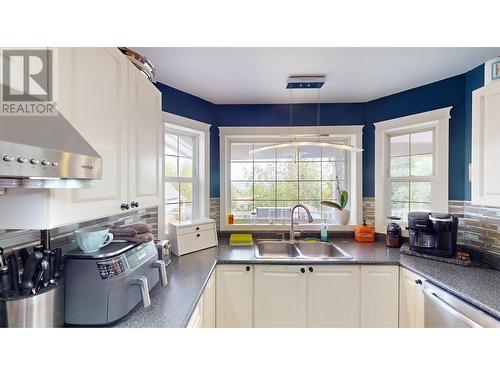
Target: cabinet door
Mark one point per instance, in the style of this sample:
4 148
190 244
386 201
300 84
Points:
145 140
280 296
333 296
411 300
209 303
196 320
235 286
485 141
92 92
379 296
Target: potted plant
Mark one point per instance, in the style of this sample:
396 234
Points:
340 214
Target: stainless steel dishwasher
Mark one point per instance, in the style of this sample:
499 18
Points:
445 310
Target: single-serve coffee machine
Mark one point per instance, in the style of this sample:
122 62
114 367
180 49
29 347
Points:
433 233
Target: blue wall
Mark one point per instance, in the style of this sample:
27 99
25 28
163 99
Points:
455 91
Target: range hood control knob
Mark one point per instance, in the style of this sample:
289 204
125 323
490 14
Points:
55 163
8 158
45 162
35 161
22 160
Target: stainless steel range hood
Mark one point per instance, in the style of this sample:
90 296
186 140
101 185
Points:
45 152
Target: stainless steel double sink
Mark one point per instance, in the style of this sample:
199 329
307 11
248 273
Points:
299 250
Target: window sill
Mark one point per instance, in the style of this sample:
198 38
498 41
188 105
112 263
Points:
284 228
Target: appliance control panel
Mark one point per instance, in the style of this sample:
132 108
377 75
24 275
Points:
34 161
127 261
112 268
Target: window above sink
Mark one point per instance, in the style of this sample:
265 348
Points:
260 188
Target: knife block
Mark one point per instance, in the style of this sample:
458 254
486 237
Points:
41 310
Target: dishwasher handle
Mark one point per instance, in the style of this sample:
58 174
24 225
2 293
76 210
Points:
452 311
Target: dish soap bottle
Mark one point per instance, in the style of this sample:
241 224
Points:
324 231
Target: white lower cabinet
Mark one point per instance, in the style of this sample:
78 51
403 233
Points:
319 296
411 300
379 296
196 320
209 303
307 296
333 298
280 295
235 295
203 315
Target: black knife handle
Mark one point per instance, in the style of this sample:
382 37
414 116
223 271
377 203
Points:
5 280
24 254
2 259
58 263
42 270
47 254
14 272
29 271
52 267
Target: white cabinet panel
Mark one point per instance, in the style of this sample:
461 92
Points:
485 145
411 300
333 298
92 93
209 303
196 320
145 141
379 296
280 296
235 293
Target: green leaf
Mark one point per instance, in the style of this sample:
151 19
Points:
344 196
331 204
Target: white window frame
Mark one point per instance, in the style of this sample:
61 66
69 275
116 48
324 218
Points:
437 121
257 134
201 188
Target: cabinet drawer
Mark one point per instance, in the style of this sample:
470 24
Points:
195 241
195 228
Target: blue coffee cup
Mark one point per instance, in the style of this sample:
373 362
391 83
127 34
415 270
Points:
91 240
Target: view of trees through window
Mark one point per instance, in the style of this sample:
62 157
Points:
265 185
180 177
411 161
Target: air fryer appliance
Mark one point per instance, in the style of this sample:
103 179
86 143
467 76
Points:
433 233
103 286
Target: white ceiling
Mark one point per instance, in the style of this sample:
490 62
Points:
258 75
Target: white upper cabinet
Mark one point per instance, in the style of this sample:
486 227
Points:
333 296
95 105
145 140
485 145
280 296
118 112
379 296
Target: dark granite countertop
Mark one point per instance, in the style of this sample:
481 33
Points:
172 306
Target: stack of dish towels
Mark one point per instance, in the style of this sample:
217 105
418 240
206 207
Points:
138 233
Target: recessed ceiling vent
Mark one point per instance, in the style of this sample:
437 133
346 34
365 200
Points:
305 82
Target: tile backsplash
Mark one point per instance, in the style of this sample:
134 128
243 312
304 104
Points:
479 226
14 239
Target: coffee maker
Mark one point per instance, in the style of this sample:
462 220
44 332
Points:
433 233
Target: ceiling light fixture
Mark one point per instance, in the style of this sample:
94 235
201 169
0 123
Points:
307 82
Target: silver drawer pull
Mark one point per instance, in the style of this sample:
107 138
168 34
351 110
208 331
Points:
160 264
142 283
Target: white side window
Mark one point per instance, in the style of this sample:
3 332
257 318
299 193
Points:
411 158
186 170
